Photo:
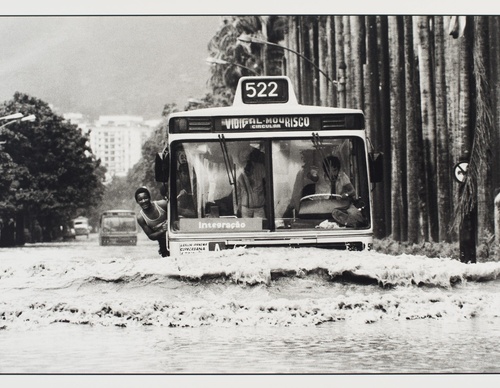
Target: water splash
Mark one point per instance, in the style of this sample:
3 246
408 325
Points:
253 287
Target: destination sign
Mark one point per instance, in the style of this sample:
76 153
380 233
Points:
267 122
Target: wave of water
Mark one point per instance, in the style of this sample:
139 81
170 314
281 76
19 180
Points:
276 287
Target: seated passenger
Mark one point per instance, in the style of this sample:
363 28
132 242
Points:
251 183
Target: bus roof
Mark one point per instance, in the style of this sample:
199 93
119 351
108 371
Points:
247 101
259 109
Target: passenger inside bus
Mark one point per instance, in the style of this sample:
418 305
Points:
185 193
326 191
251 183
336 184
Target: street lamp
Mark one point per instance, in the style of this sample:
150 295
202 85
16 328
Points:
18 117
250 39
29 118
13 118
218 61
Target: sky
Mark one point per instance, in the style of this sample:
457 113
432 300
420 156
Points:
106 65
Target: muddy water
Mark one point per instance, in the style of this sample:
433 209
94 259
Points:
77 307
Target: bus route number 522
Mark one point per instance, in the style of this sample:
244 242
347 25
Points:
264 90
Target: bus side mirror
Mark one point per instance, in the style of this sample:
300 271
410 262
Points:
161 168
376 166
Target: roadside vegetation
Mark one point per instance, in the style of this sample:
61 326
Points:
487 250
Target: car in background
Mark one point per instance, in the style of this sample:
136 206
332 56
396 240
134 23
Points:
68 232
118 227
81 226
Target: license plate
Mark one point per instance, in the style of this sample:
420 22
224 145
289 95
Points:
216 246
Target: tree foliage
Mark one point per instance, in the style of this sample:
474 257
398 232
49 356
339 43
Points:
48 170
242 58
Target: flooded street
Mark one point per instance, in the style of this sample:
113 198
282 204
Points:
76 307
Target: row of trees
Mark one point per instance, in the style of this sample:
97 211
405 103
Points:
48 173
427 85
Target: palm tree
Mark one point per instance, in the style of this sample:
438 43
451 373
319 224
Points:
373 116
397 125
412 157
340 56
358 60
443 171
480 168
428 114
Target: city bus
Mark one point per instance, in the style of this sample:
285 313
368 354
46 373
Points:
118 227
249 175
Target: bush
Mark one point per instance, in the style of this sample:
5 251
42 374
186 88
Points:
487 249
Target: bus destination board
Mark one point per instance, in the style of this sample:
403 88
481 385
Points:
266 122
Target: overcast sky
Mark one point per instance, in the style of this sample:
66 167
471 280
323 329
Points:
106 64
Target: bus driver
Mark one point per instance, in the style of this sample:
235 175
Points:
334 181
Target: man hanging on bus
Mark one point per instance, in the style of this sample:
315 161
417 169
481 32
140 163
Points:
153 218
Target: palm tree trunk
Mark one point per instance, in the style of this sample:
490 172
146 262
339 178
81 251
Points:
372 109
466 214
348 60
385 114
358 49
428 112
464 117
481 150
412 158
443 170
494 38
331 61
398 145
323 42
340 56
312 54
304 73
463 140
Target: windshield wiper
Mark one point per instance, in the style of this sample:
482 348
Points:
231 173
231 170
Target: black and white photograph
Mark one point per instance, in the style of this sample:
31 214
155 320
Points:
292 192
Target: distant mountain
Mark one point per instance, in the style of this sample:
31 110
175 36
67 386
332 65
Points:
106 65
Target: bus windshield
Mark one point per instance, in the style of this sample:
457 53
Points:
278 184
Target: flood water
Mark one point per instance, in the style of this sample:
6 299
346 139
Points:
76 307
